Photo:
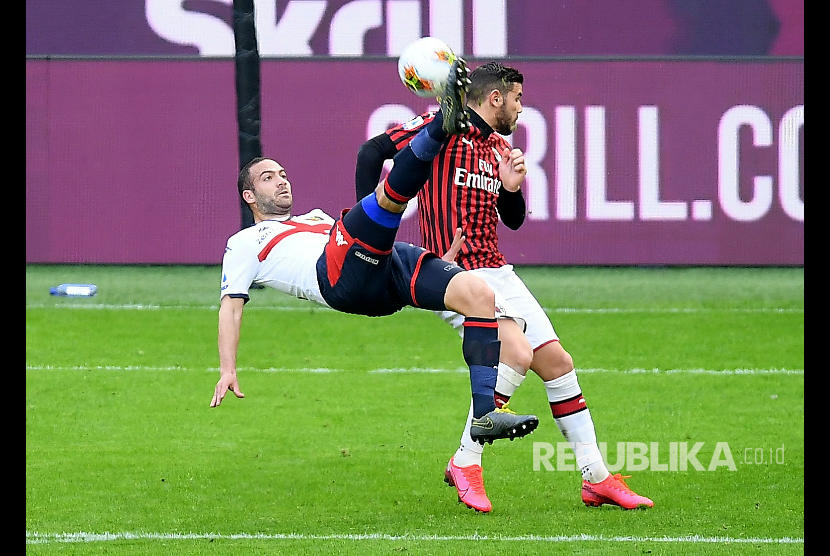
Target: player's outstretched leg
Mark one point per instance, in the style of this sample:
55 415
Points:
502 423
414 162
454 99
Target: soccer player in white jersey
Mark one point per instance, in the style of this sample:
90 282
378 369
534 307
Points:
354 264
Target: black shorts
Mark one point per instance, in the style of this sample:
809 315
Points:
356 278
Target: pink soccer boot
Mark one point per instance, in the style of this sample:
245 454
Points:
613 490
469 484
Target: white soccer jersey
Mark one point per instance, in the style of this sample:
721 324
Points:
278 254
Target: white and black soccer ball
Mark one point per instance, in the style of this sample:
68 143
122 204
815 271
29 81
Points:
424 66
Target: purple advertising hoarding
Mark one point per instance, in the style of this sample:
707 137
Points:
630 162
475 28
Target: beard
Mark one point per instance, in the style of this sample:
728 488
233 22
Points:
276 205
504 124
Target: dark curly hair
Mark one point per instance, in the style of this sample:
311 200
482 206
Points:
492 75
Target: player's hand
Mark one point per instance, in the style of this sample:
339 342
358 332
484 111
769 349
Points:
512 169
455 247
228 381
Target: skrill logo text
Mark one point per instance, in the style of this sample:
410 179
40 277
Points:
290 34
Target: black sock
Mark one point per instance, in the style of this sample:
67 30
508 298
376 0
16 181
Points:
481 349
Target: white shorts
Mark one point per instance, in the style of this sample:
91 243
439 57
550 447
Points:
513 300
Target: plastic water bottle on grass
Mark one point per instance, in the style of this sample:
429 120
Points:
74 290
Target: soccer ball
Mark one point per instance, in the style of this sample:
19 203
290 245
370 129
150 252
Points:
424 66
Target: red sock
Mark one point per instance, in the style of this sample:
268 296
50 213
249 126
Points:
501 400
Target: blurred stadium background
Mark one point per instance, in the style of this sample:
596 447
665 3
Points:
658 132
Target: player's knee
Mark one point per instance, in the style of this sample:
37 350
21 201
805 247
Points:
515 349
566 362
480 295
471 296
552 361
560 360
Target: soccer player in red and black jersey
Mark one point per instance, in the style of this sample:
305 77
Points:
464 191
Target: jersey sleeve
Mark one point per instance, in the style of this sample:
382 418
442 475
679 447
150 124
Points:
511 207
402 134
239 268
369 166
382 147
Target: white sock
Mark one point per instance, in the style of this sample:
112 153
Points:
508 380
577 427
469 452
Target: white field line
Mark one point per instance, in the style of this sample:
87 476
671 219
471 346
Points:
83 537
309 307
414 370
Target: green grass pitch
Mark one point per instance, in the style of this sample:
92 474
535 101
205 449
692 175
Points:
340 443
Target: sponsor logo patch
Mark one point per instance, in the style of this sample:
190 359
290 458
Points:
365 257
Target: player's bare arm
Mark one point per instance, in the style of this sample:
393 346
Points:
512 169
230 325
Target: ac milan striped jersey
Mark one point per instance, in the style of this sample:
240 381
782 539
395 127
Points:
462 191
